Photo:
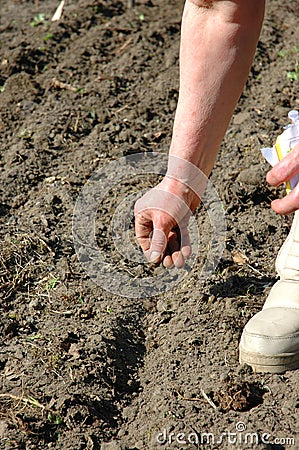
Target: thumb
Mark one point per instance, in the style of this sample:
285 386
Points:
158 245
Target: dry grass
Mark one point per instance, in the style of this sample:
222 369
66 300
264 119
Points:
20 258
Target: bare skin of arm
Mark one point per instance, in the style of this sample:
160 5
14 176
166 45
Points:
218 43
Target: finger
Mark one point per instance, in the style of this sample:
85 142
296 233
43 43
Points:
287 204
143 230
285 169
186 249
168 262
178 260
158 245
174 249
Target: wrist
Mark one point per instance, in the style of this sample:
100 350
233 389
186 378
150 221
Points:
183 175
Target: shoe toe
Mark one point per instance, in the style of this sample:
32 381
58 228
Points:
270 340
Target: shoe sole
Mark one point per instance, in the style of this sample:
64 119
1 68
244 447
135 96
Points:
270 364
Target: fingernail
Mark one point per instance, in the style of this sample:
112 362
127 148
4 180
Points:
154 256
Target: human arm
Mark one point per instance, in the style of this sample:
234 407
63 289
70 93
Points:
218 42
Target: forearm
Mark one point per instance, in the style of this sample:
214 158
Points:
218 43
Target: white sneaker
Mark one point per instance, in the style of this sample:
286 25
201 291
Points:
270 340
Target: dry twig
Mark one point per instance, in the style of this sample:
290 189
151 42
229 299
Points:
26 400
59 84
123 46
198 399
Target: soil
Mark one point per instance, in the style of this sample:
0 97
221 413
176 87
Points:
86 367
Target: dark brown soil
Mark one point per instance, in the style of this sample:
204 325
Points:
83 367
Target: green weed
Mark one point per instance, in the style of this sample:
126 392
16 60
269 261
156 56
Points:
48 37
51 284
294 74
40 18
33 337
57 420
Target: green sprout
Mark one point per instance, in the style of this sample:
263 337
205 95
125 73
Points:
294 74
51 284
57 420
48 37
33 337
40 18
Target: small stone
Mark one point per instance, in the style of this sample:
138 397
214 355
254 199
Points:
252 176
241 118
161 306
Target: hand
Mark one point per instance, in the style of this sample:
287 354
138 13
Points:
161 220
281 172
